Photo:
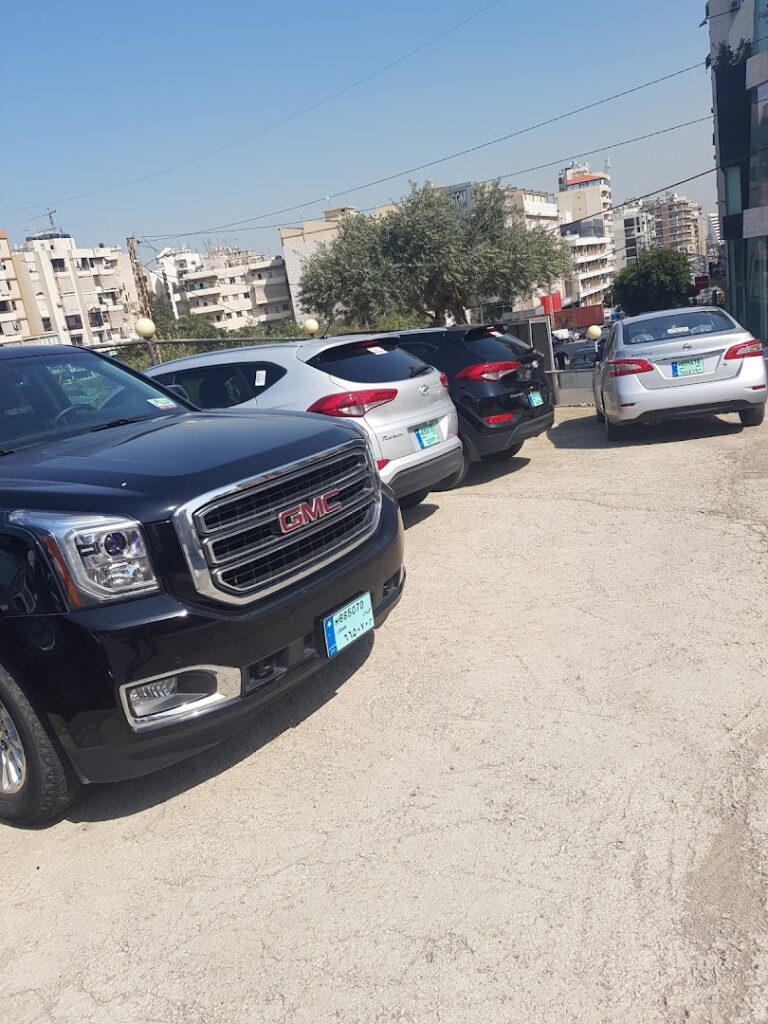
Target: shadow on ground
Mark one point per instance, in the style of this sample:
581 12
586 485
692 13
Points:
121 799
586 432
488 470
415 516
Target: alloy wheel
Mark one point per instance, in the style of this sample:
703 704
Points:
13 761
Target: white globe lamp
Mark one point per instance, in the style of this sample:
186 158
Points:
311 326
594 333
145 328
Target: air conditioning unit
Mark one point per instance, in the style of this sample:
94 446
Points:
735 6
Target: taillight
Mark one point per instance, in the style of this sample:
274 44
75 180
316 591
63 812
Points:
381 463
629 367
444 380
488 371
745 350
502 417
353 403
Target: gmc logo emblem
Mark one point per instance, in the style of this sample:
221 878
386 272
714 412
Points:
309 512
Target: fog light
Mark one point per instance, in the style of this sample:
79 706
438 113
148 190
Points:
151 698
170 692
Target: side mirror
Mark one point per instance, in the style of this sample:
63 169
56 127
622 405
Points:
177 389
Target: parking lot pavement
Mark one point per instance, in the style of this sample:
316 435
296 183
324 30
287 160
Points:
539 796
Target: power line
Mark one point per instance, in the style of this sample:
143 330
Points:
433 163
509 174
275 124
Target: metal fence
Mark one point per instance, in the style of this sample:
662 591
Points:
572 387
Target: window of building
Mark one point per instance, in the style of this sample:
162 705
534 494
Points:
260 276
74 322
58 266
245 295
733 202
285 307
46 323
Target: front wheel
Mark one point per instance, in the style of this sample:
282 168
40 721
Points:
412 500
36 781
752 417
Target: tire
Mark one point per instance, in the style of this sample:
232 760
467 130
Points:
37 783
612 431
508 453
752 417
412 500
457 478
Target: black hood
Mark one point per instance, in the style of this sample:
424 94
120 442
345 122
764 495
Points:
146 470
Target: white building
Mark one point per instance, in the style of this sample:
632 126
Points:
678 223
633 233
85 295
236 288
19 318
585 203
167 280
714 232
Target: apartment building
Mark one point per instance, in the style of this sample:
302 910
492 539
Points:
714 232
633 233
85 295
678 224
19 318
585 202
236 288
167 280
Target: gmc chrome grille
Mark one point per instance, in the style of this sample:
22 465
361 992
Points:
234 542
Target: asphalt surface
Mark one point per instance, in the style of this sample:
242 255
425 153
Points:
540 796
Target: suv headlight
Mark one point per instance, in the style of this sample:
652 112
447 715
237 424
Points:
99 558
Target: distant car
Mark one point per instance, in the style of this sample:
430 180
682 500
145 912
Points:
679 363
497 382
575 355
400 403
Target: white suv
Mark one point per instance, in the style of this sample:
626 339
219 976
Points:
401 403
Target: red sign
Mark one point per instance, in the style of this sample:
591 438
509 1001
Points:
552 303
701 283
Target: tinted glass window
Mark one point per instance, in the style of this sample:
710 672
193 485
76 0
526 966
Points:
47 397
687 323
369 362
495 349
222 386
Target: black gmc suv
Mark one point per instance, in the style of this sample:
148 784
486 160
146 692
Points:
164 572
498 384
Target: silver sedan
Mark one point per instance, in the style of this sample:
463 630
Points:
679 363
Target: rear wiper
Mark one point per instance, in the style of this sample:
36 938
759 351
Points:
418 371
117 423
6 451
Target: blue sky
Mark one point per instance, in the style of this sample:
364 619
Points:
100 93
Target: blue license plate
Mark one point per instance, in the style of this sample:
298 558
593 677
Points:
688 369
348 624
427 435
535 399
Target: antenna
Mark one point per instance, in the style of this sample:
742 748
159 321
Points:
607 165
50 213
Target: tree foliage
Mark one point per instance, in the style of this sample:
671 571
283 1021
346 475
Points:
658 279
426 260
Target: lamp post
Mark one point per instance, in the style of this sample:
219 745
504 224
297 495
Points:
145 328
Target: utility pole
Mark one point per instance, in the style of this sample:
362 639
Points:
139 278
143 292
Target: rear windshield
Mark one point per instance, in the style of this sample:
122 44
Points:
685 324
369 362
496 347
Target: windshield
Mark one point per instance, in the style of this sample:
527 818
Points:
45 397
685 324
369 362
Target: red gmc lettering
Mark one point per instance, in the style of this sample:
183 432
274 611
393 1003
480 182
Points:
309 512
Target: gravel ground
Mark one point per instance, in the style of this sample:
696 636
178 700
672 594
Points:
539 796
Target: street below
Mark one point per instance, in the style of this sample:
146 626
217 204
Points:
540 795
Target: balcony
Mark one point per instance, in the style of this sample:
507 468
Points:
209 289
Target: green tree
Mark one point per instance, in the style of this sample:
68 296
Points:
351 279
657 279
425 260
